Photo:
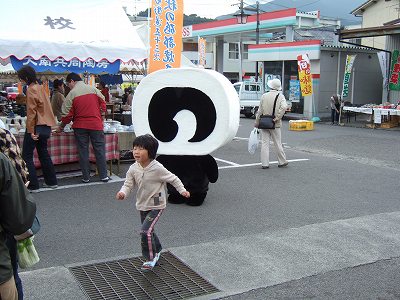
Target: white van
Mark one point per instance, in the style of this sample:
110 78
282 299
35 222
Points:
249 95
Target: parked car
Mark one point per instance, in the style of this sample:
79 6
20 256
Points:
12 92
249 96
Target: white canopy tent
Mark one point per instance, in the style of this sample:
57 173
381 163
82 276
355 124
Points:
97 29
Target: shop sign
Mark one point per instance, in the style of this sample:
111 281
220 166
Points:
347 72
304 69
202 51
294 90
60 65
166 34
394 83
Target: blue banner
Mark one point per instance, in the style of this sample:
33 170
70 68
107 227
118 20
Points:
60 65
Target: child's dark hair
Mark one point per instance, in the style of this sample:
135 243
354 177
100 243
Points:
147 142
27 74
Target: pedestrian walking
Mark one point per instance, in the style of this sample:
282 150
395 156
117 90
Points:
150 178
86 107
266 108
39 120
16 217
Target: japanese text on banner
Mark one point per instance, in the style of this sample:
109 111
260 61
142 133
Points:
347 72
202 51
165 34
394 82
304 68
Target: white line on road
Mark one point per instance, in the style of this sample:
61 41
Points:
226 161
119 179
259 164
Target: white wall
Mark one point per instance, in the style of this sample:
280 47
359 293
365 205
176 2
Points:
377 14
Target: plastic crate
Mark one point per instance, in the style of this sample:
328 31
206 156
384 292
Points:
300 125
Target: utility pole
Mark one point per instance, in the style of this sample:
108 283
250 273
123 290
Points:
257 34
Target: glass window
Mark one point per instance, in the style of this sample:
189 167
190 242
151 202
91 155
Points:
233 51
245 54
291 73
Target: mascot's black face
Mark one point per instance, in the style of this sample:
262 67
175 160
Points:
167 102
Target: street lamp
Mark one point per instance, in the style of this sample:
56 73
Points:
242 19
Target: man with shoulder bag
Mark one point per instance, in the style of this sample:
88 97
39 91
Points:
17 214
268 119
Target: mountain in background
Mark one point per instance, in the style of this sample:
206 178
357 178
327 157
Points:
338 9
187 19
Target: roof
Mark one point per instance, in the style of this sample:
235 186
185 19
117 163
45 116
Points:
327 37
359 10
369 32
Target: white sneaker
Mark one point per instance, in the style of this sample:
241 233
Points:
149 265
157 257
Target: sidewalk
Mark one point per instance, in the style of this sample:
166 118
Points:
238 265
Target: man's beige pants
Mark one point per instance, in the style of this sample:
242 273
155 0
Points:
8 291
275 135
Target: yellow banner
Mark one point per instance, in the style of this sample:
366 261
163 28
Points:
304 68
165 34
202 51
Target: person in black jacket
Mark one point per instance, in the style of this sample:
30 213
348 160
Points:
17 213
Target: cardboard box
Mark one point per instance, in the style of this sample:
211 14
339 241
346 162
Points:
301 125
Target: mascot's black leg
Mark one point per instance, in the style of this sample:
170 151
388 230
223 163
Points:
196 199
196 172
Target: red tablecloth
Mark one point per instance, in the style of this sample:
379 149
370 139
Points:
63 149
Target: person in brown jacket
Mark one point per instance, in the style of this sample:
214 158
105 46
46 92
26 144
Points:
58 98
39 120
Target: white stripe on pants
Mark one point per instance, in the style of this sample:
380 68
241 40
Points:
275 135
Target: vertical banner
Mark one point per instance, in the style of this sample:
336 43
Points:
394 83
202 51
165 34
347 72
304 68
384 63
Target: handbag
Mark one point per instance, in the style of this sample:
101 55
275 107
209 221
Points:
267 121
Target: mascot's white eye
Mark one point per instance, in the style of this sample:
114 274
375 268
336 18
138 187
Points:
189 111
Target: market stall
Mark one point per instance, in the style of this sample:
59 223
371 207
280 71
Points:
91 37
382 116
63 149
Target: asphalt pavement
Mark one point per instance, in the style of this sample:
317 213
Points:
325 227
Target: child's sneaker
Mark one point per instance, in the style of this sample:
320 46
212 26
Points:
157 257
149 265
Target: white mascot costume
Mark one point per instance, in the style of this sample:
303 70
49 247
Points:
191 112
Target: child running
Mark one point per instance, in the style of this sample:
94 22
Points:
150 178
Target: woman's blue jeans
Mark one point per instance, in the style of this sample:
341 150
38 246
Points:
28 147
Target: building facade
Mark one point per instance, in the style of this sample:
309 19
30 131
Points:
284 35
